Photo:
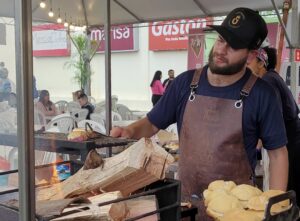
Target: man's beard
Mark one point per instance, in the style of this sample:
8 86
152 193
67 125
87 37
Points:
230 69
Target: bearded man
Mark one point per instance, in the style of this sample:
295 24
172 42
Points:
221 112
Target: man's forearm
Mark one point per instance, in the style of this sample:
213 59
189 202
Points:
142 128
278 168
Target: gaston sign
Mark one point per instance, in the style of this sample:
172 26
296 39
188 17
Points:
173 35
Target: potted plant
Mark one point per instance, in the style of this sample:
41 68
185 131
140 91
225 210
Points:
80 62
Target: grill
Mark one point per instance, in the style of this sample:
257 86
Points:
167 193
58 142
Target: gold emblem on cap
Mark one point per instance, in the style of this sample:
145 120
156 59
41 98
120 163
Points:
235 20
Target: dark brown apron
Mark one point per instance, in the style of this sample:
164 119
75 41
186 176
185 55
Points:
211 143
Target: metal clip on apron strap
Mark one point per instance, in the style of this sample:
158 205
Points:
195 83
245 91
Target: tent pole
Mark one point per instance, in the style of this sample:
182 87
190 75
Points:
202 8
283 32
24 68
282 24
107 26
295 41
84 13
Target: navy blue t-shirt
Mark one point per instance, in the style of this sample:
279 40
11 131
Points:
288 106
262 118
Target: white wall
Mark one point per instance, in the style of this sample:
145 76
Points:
132 72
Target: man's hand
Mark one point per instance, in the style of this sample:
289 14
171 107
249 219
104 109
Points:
120 132
136 130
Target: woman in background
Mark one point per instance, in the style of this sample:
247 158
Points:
156 87
44 104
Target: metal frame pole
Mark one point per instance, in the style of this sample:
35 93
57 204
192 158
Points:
107 27
295 41
24 67
282 24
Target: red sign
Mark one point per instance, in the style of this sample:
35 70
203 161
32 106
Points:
297 55
50 40
173 35
123 38
196 49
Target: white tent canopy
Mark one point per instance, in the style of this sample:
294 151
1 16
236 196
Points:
91 12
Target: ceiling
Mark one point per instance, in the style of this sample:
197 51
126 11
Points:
134 11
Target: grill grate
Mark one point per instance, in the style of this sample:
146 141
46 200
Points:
167 193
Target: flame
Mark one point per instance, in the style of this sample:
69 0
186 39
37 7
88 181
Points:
55 177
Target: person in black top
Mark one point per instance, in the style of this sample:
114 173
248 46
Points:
84 103
169 80
264 66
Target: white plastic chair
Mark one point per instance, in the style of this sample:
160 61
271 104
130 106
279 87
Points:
99 107
12 100
61 106
61 115
97 118
79 114
39 119
4 106
6 126
124 111
98 127
114 101
73 105
64 124
114 116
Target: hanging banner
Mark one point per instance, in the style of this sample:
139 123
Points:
123 38
273 37
272 34
173 35
196 48
50 40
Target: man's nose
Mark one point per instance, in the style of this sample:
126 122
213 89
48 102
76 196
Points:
224 47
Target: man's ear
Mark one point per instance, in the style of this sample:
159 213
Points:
252 55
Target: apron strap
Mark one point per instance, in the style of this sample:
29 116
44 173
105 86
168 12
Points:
196 77
249 84
246 90
194 83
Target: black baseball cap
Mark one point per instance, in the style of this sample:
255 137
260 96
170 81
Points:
243 28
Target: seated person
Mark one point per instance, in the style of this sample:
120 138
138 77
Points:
84 103
44 104
35 91
5 85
